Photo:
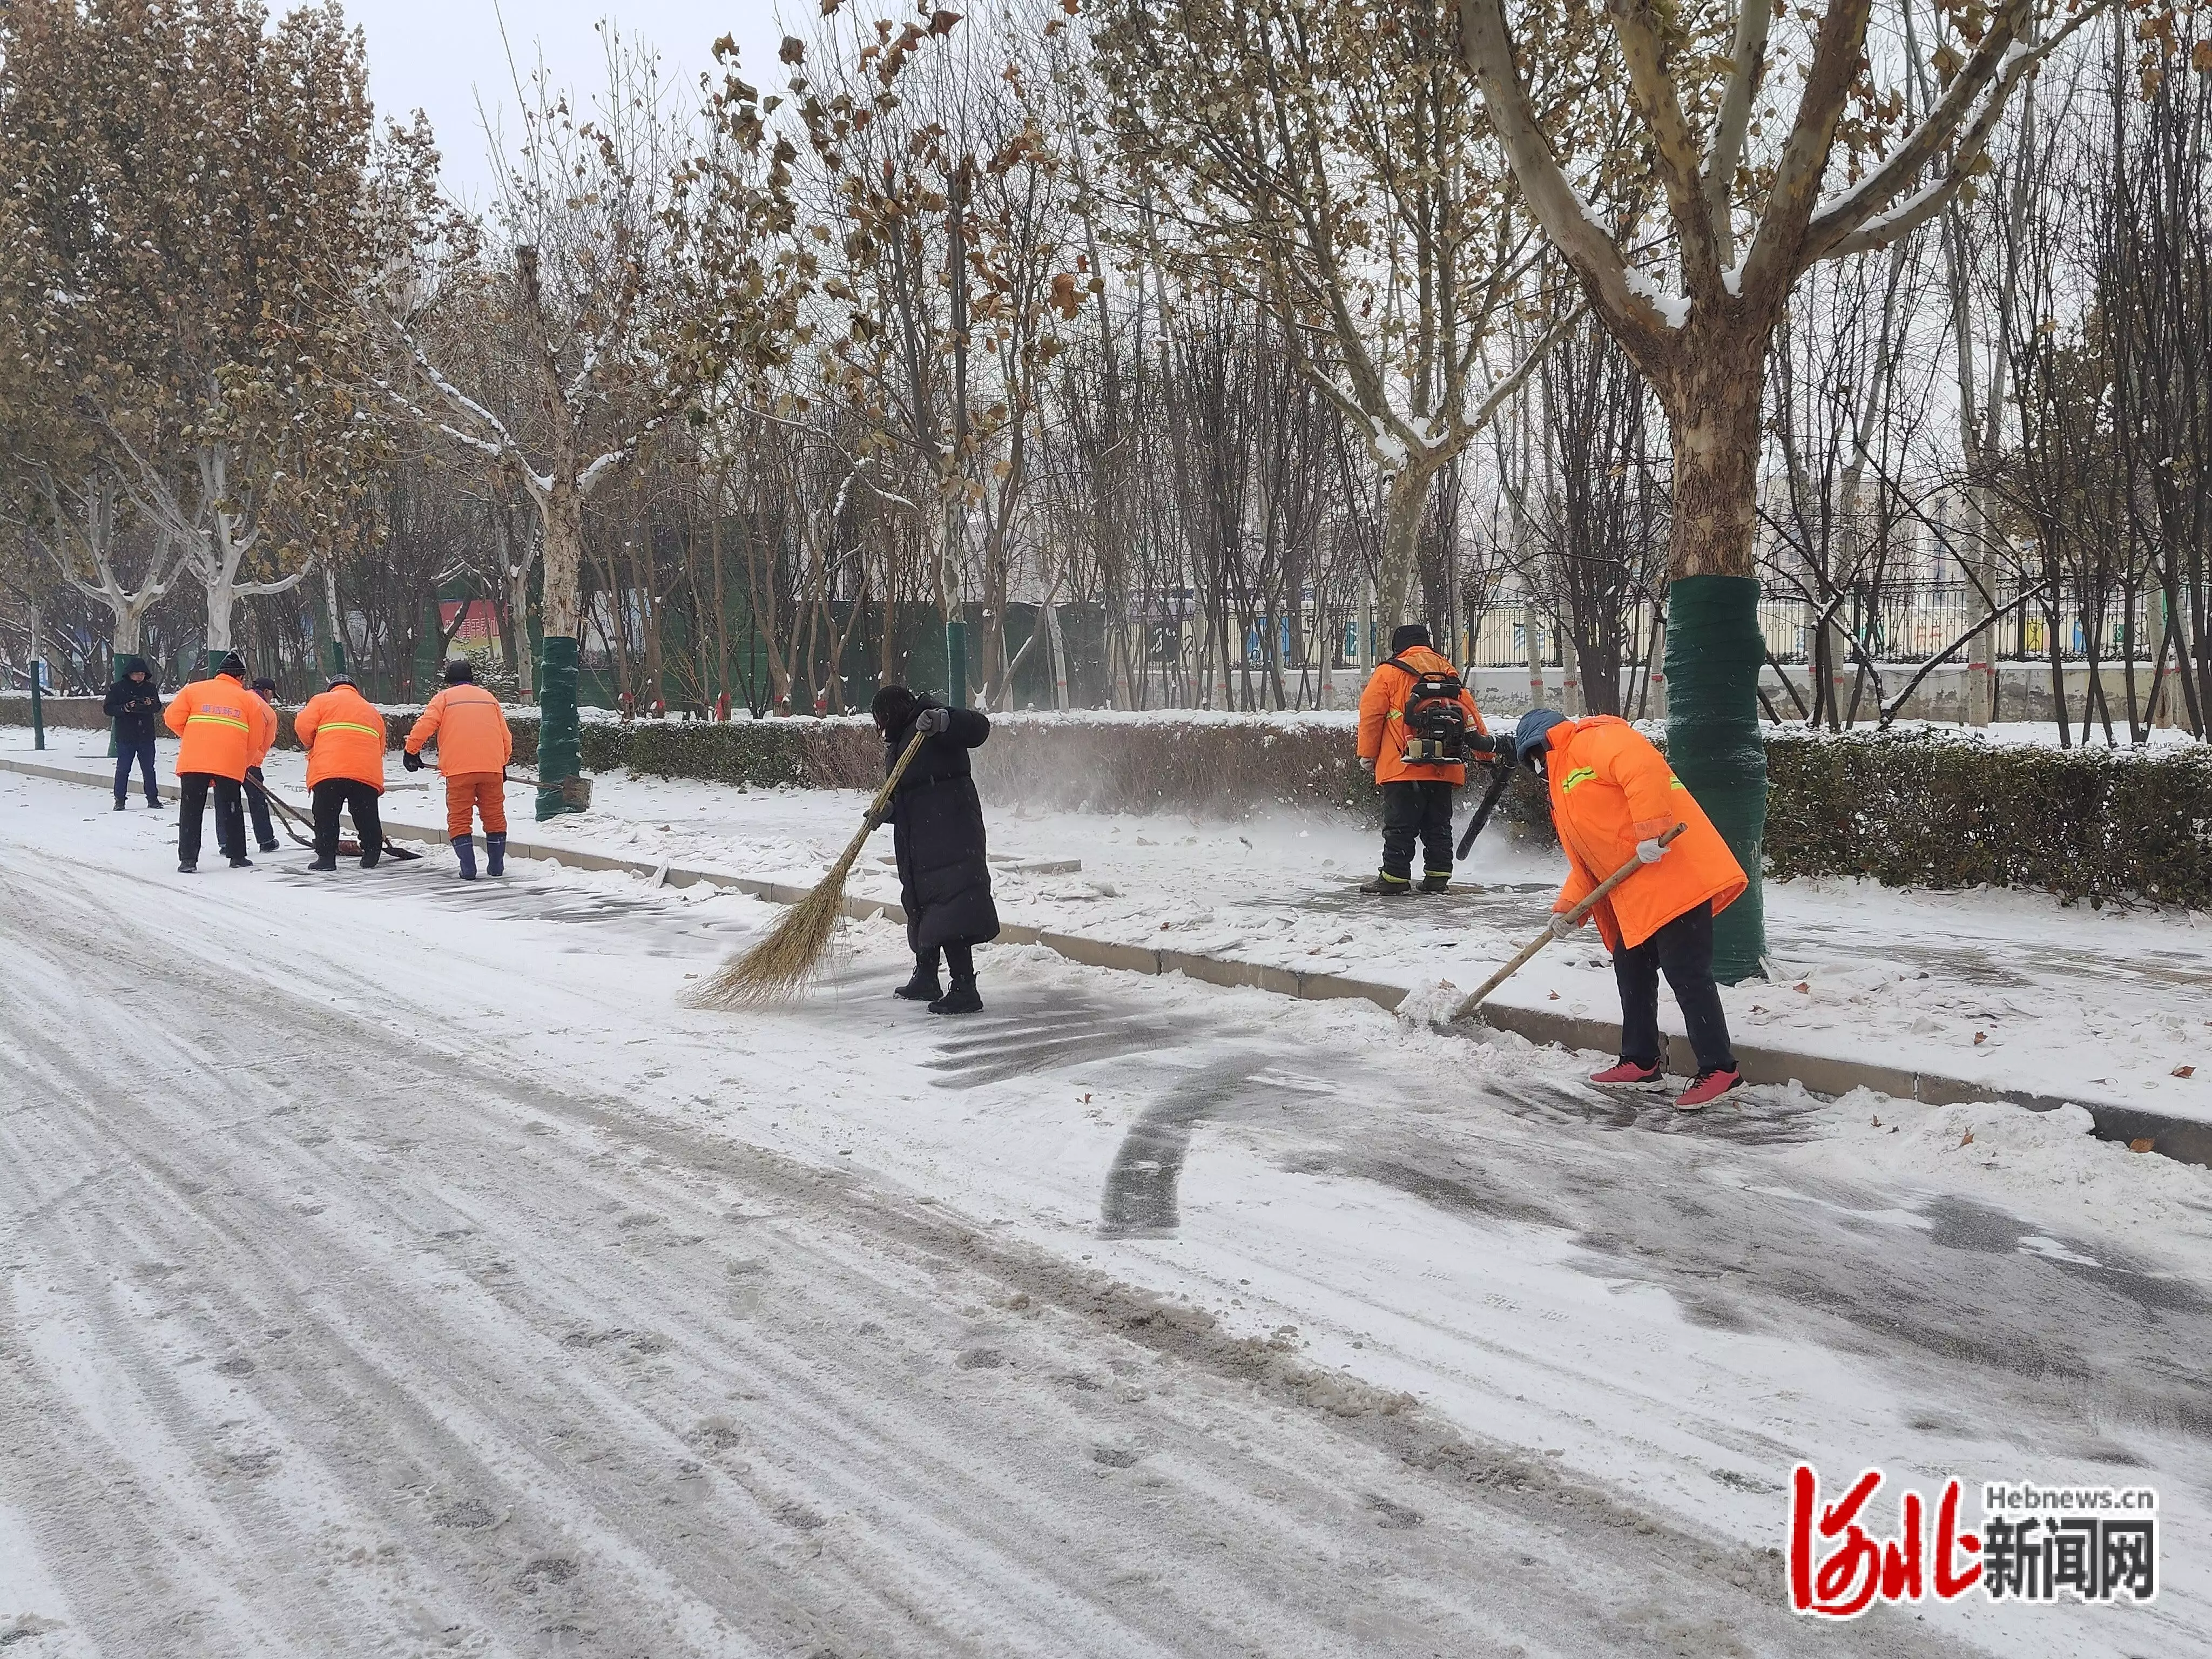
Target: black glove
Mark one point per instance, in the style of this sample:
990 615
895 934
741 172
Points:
412 761
1499 745
933 722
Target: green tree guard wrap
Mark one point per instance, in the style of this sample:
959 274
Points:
1714 654
560 738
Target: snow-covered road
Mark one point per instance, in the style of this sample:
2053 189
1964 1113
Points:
394 1267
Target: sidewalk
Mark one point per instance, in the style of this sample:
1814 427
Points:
1935 996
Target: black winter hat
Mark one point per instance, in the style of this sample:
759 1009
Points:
1411 634
894 707
264 683
340 678
461 672
233 665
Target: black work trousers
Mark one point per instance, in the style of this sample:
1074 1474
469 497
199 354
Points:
960 959
192 789
257 808
1417 809
1683 950
359 799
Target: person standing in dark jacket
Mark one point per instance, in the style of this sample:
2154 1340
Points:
937 832
134 703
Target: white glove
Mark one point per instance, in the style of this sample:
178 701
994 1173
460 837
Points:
1650 851
1563 924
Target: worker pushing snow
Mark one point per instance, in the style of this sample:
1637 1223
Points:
1418 724
474 747
224 729
343 736
1613 797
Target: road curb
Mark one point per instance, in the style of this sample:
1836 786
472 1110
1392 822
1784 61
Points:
2183 1140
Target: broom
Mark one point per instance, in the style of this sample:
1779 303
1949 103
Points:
575 793
782 965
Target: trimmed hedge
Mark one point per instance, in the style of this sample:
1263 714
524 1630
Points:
1917 810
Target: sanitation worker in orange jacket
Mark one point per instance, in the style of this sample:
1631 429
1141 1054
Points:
256 789
343 736
1418 724
474 747
1613 797
225 729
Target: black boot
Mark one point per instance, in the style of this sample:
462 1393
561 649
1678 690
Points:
960 999
322 863
120 803
1436 881
923 986
1387 885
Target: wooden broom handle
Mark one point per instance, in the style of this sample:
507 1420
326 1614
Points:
1543 939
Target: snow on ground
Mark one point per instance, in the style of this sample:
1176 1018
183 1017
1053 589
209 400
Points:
2012 989
397 1266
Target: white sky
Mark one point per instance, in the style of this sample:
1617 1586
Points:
440 55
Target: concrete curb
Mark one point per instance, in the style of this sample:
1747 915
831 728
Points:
2184 1139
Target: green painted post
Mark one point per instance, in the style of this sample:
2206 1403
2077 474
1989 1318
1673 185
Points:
560 737
1714 654
38 703
955 665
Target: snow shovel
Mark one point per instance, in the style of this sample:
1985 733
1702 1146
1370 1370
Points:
1545 938
575 793
288 815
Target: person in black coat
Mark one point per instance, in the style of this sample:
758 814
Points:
937 832
134 703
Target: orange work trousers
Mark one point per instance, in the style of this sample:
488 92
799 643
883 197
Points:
475 791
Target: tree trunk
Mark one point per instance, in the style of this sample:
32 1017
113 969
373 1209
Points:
560 735
1714 646
1406 496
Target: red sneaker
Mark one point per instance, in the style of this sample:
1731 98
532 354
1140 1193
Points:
1709 1087
1628 1072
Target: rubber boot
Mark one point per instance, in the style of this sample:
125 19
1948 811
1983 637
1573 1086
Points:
465 850
495 853
962 998
924 985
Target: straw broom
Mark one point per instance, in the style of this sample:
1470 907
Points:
784 963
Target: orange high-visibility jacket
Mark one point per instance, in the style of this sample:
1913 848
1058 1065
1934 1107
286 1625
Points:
343 736
470 728
268 741
1610 789
223 725
1382 718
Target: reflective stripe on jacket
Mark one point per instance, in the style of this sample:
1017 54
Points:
343 736
470 728
1610 788
1382 718
224 726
